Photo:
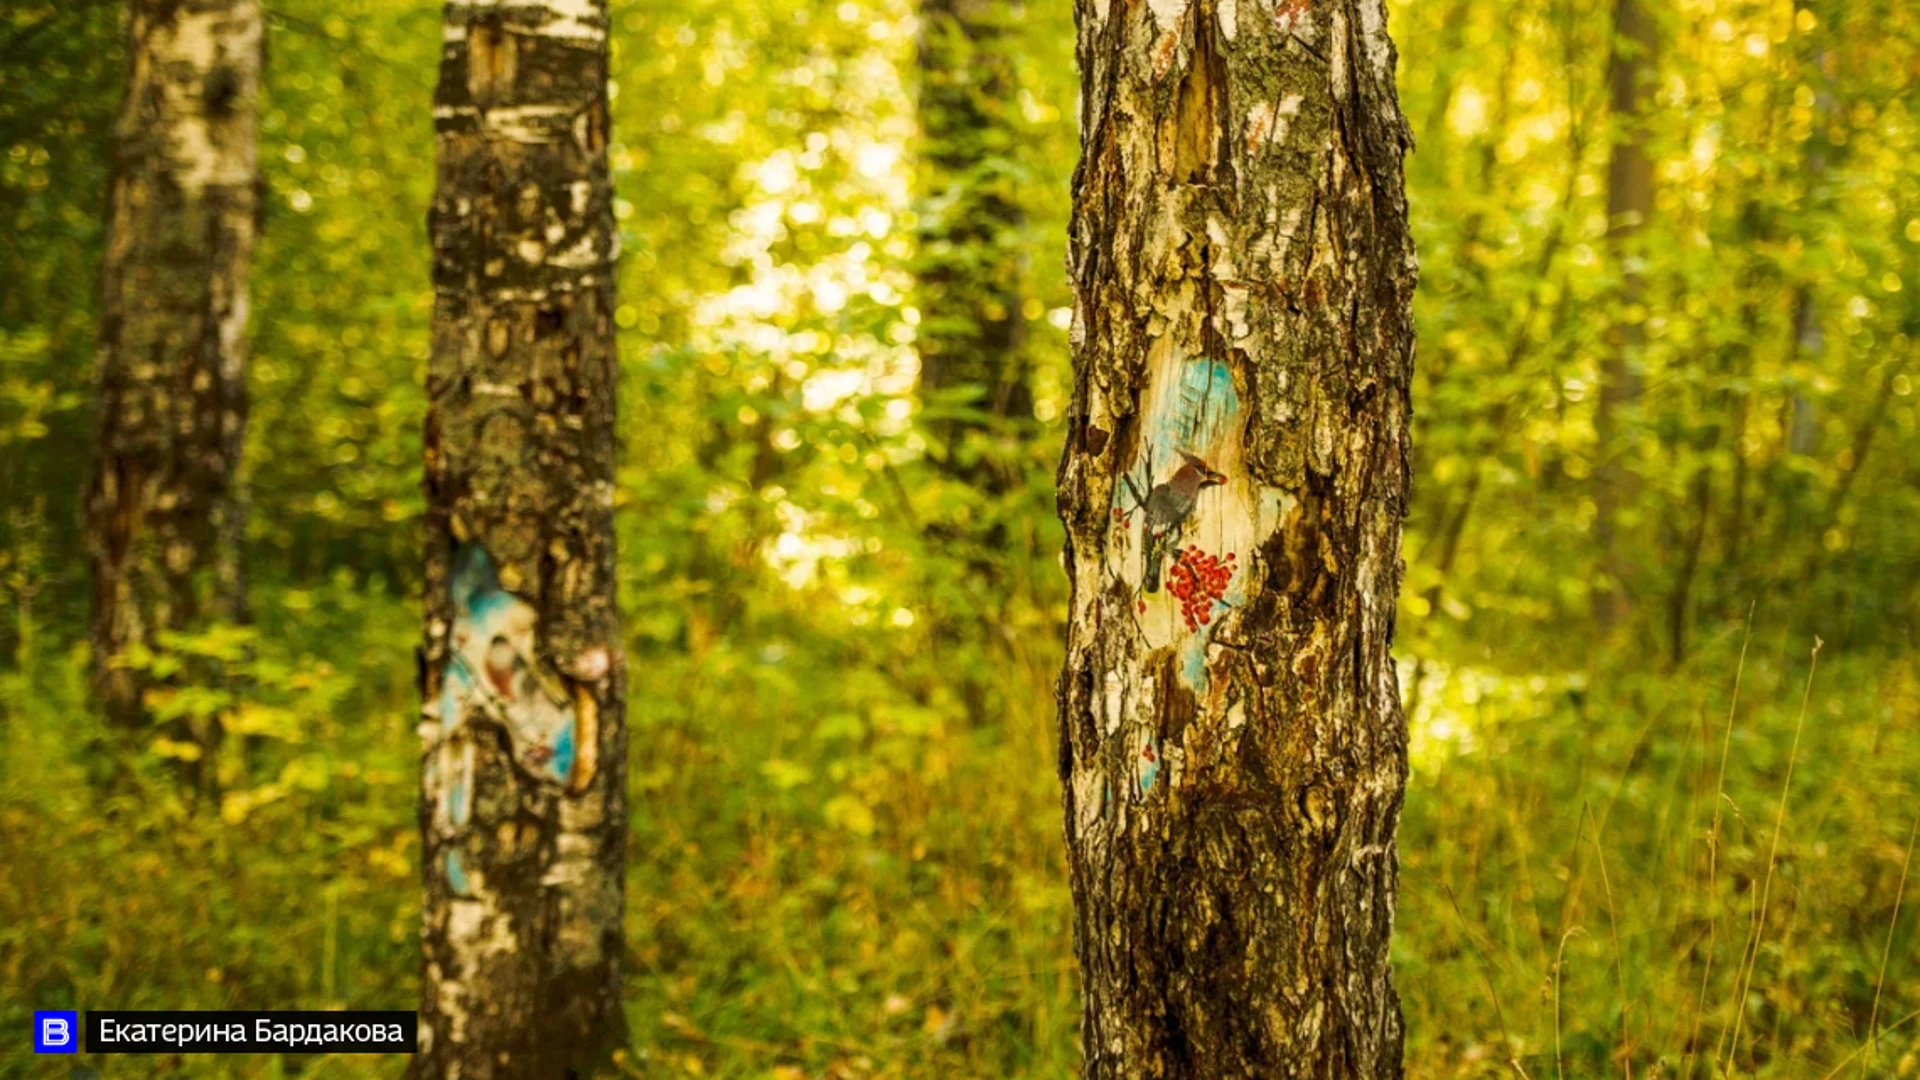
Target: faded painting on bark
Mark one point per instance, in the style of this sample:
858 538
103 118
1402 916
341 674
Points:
523 808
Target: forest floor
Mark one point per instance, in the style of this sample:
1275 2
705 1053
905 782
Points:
876 888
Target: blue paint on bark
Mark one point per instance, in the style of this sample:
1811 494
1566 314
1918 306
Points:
457 874
493 666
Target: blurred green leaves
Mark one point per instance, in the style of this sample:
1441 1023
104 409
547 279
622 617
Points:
845 819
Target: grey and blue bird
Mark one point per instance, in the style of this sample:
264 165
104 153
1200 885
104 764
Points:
1167 507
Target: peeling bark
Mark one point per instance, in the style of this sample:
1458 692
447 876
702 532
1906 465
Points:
1232 746
523 802
165 519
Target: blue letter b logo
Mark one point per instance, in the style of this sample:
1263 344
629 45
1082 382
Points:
56 1032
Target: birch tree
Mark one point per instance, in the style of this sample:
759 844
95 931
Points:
165 515
523 798
1234 480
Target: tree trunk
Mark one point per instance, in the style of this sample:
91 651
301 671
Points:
164 514
523 809
1801 423
1232 746
972 331
1629 205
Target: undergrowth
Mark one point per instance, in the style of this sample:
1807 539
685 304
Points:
873 887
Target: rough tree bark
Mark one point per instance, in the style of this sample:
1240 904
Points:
164 514
1232 747
972 332
523 803
1629 205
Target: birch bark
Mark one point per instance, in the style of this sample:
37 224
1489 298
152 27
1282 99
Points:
165 516
523 808
1231 742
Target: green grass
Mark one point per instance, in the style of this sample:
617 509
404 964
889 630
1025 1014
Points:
872 885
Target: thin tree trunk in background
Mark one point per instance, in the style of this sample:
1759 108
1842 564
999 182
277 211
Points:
1232 747
1630 71
1680 602
972 332
165 519
1801 424
523 808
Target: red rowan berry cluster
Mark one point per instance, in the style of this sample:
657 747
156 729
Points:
1122 518
1198 580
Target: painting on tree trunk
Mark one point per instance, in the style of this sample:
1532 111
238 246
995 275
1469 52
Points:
957 540
1180 525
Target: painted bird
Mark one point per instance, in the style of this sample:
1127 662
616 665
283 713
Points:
1168 506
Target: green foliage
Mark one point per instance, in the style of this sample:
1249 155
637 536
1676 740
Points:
845 836
61 68
1580 846
294 887
1767 440
341 290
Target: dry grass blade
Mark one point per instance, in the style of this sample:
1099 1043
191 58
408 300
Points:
1713 849
1486 972
1744 984
1613 932
1848 1060
1886 953
1559 970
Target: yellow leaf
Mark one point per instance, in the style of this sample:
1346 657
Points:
935 1021
786 775
176 748
850 814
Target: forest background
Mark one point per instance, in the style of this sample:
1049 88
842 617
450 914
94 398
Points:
846 855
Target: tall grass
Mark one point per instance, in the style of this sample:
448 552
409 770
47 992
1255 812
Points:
1604 872
1571 868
